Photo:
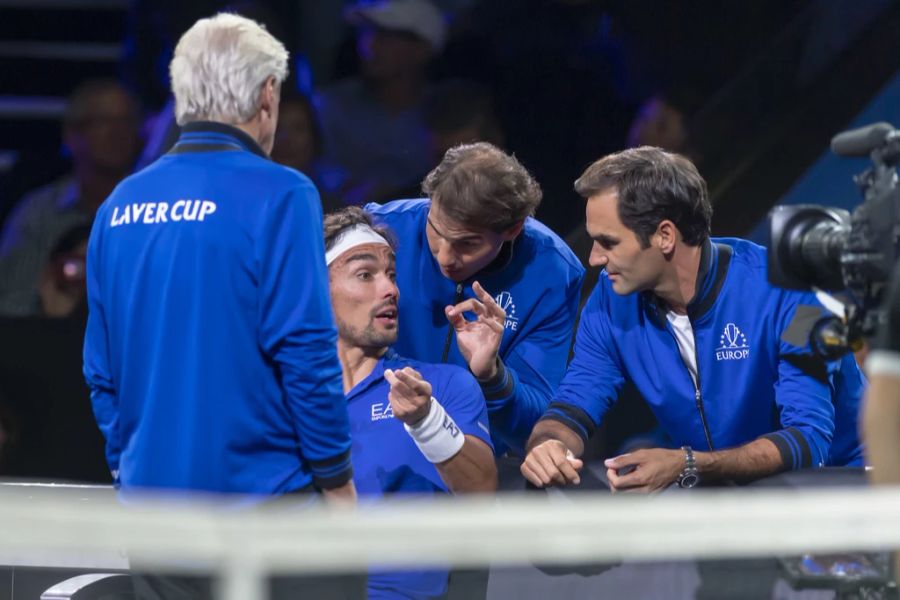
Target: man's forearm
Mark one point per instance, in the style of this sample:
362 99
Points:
342 495
472 469
549 429
751 461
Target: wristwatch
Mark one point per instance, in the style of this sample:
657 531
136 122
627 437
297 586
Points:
689 476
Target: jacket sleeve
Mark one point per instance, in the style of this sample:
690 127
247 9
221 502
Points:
528 375
803 395
297 329
594 379
97 367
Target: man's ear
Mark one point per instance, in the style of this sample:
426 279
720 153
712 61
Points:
514 231
269 95
666 236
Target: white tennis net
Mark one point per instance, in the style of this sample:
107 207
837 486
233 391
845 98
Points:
88 527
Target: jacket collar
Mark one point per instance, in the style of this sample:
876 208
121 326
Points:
211 136
714 261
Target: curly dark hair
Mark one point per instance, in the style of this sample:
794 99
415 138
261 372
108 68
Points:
480 185
337 222
652 185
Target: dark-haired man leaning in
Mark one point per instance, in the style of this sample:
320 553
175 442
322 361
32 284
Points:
473 250
417 427
695 325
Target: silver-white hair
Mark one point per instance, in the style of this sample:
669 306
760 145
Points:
219 67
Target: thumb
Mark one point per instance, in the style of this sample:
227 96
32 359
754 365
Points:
576 463
617 462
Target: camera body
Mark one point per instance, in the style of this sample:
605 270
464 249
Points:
831 250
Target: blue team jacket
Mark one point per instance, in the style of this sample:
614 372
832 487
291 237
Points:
386 461
210 346
751 382
537 281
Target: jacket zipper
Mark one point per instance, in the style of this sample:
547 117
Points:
459 291
698 397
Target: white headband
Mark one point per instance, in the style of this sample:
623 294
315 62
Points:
350 238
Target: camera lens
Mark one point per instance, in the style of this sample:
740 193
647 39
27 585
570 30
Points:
806 245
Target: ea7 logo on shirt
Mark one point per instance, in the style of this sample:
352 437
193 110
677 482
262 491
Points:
505 301
732 344
382 410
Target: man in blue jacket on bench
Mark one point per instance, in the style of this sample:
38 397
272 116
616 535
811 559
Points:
693 322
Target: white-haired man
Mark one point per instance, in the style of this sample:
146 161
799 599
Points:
210 346
418 428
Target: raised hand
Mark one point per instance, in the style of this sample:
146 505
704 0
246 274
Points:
478 340
410 395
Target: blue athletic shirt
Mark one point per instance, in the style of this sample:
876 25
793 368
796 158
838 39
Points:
753 383
386 460
210 348
536 280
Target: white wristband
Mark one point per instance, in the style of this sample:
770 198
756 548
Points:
437 435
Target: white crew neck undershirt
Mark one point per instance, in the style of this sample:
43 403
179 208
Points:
684 335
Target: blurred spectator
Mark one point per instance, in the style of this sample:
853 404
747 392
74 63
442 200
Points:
298 142
658 123
551 65
62 284
160 133
375 137
456 112
459 112
298 138
664 120
100 130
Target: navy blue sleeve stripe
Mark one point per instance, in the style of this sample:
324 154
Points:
793 447
795 450
500 386
572 417
338 459
332 467
573 425
327 483
803 444
332 472
784 448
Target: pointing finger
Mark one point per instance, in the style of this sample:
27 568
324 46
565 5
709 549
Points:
490 304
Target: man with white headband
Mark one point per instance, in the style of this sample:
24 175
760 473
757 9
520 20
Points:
417 427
